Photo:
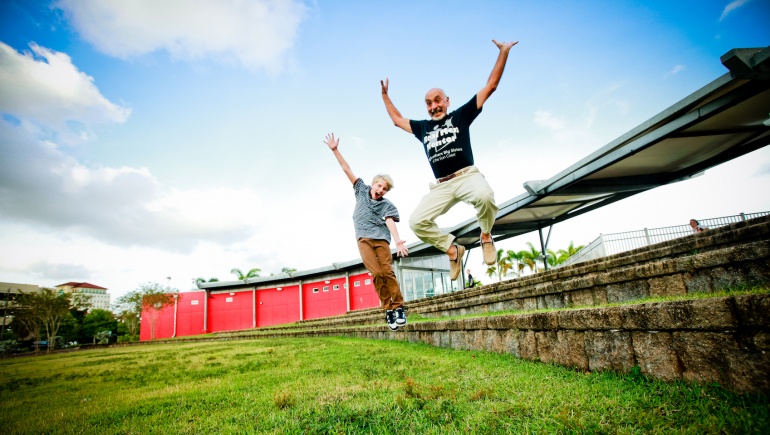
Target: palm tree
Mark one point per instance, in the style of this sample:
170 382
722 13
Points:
501 266
569 252
288 270
253 273
531 257
514 259
199 281
553 258
491 270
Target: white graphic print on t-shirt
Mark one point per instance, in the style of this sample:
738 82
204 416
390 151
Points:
435 141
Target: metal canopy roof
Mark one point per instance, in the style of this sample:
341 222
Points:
725 119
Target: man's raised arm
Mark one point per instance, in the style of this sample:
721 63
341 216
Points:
395 115
497 72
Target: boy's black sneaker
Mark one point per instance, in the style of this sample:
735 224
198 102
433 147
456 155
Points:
400 316
390 318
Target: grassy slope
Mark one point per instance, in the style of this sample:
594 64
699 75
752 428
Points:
336 385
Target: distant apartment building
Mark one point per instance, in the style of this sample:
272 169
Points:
97 295
8 293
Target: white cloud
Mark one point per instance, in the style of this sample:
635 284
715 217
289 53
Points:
676 69
43 93
546 119
40 185
257 34
733 5
61 271
44 87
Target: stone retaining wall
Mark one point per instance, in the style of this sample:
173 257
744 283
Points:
732 255
724 340
718 339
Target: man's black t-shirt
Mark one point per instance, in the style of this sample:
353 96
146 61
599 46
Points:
447 142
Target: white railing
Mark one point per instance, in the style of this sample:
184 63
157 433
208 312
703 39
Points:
609 244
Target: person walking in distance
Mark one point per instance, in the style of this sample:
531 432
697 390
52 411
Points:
447 144
374 220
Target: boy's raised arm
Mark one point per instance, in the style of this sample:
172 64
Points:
395 115
333 144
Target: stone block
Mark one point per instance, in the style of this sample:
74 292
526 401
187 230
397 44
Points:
501 322
444 339
545 342
537 321
705 314
455 325
627 291
707 260
510 342
528 345
727 277
750 252
609 350
590 319
697 282
528 304
671 285
555 301
758 272
569 350
600 296
493 341
459 340
753 311
581 298
739 362
475 323
655 355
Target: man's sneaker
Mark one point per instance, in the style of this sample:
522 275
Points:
400 316
390 318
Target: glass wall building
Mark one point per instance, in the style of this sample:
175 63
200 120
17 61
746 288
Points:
423 277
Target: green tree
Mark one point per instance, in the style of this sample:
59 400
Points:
199 281
252 273
129 311
530 257
571 250
43 313
98 321
288 270
154 300
553 258
515 259
501 267
27 321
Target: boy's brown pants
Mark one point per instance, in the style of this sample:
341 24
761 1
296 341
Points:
378 260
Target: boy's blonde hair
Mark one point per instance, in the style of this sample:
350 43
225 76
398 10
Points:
384 177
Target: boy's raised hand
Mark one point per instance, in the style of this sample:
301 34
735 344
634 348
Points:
331 141
401 249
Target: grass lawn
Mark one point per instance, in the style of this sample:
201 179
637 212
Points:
341 385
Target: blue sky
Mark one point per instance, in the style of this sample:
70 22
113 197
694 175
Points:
181 138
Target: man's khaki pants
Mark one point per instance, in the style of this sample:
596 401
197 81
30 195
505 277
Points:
471 188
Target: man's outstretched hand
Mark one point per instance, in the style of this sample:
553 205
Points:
504 45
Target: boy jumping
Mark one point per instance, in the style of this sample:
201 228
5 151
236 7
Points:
374 220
